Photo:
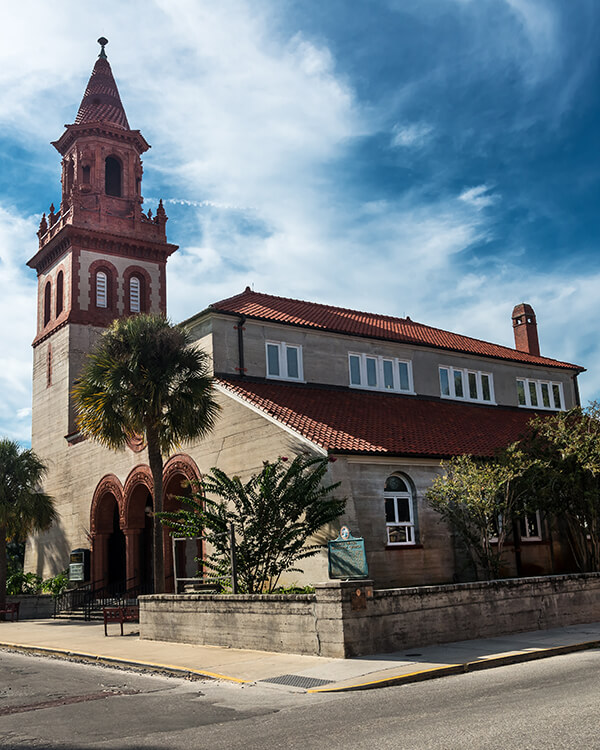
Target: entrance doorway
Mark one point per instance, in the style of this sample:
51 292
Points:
116 571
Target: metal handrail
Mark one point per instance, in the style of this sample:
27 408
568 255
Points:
92 597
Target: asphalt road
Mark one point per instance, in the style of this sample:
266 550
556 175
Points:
46 703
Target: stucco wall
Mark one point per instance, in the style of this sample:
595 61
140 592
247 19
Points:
325 358
345 619
240 443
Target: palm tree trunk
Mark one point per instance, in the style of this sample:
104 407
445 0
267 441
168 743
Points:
156 467
3 568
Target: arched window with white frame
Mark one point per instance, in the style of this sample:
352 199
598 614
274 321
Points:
399 511
135 294
101 289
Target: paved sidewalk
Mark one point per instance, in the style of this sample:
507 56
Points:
85 641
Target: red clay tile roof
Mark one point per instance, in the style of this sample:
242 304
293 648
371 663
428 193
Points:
101 101
353 421
340 320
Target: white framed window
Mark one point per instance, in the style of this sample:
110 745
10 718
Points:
469 385
530 526
399 512
540 394
380 373
134 294
284 361
101 289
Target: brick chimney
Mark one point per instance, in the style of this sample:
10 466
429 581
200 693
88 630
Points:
525 329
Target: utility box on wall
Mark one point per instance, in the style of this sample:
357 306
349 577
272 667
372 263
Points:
79 565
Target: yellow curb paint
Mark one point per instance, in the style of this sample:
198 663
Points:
386 679
125 662
529 653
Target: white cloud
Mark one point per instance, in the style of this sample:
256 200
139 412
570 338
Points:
413 135
479 196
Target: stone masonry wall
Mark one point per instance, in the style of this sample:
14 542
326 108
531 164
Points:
345 618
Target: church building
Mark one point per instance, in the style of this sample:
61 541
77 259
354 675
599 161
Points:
388 398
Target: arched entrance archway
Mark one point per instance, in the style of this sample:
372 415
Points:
138 527
179 475
108 541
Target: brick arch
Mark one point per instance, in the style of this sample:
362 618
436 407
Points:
133 512
145 291
182 465
100 522
103 315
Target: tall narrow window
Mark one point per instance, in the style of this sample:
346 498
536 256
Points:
379 373
399 511
472 385
47 302
284 361
49 367
101 289
59 293
540 394
85 173
134 294
112 176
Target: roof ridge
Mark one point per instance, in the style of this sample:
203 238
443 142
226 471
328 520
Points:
502 351
320 304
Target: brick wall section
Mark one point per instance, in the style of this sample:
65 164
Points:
337 621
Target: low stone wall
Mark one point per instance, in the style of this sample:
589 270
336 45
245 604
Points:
265 622
33 606
344 619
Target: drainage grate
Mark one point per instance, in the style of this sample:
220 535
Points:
297 680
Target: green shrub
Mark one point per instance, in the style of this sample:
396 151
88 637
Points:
57 585
23 583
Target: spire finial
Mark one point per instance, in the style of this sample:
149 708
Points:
103 41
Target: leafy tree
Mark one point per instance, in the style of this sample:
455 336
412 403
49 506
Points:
479 499
564 477
273 514
144 378
24 508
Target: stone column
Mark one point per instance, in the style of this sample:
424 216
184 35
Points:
132 556
99 561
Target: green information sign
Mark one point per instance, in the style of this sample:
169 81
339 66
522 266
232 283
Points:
347 557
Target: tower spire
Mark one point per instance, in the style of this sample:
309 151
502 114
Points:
101 101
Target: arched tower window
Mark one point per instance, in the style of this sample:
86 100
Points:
135 289
399 510
101 289
47 302
85 173
112 176
59 293
69 175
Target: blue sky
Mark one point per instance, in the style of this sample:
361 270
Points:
431 158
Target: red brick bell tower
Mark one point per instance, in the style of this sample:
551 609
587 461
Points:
100 256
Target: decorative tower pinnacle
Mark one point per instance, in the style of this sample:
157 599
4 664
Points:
103 41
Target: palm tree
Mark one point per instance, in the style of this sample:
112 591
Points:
144 379
23 506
